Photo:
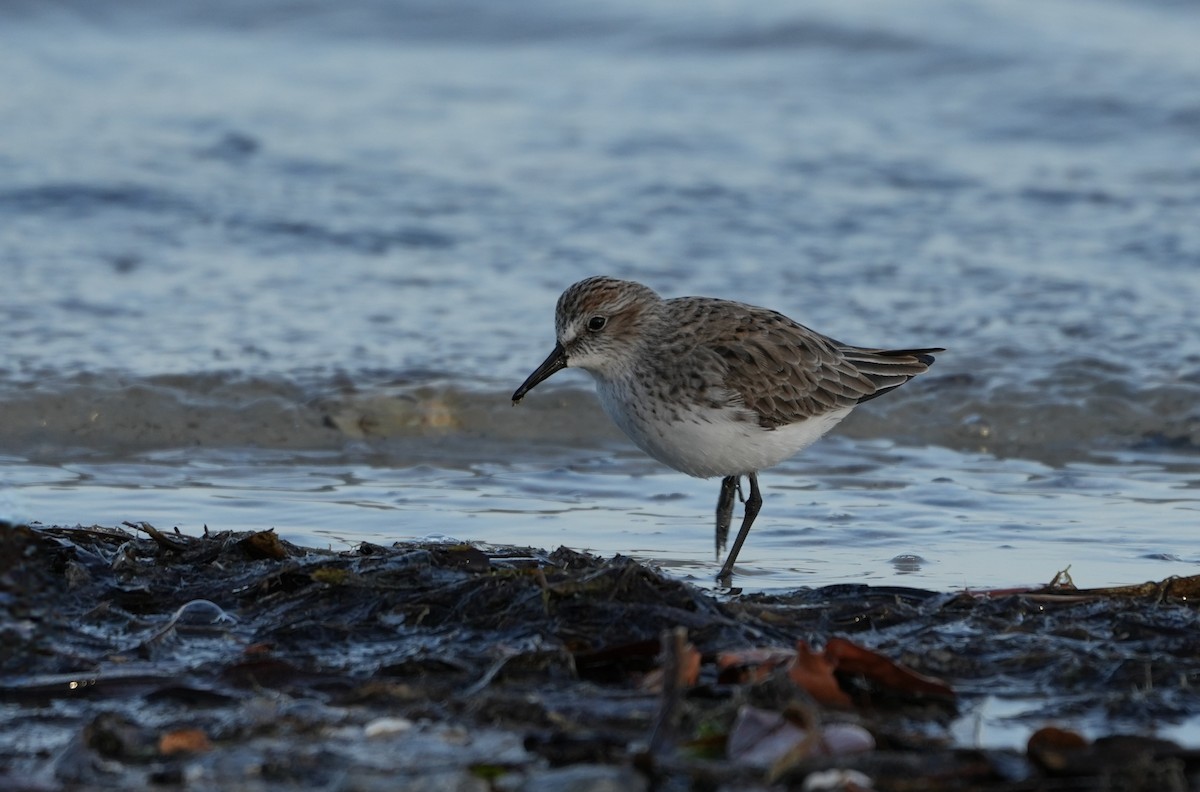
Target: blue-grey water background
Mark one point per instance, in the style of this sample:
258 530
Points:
274 264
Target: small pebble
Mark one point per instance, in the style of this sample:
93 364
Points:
382 727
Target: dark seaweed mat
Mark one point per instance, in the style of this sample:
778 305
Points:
547 647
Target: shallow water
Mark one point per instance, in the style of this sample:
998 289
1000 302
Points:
268 266
855 511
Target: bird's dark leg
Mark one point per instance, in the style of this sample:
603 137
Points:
753 504
729 485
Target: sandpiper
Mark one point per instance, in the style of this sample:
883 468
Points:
714 387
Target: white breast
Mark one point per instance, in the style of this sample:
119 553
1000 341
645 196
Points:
707 442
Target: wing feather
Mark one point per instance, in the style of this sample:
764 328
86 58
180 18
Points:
780 371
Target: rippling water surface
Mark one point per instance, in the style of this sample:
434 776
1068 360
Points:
279 265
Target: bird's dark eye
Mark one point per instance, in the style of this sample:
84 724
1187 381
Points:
596 323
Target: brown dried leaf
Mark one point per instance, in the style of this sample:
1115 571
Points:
183 741
813 671
850 658
750 665
264 544
1056 749
689 671
689 667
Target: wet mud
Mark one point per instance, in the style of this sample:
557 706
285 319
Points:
135 658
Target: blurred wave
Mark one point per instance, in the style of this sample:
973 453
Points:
110 416
465 20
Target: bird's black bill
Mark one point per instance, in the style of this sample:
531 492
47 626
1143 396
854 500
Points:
556 362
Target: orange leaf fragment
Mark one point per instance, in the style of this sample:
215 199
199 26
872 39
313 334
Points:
688 673
1057 749
689 667
183 741
751 665
813 671
850 658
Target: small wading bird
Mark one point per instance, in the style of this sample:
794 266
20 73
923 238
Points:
714 387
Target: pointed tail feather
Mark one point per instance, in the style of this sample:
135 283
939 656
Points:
889 368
